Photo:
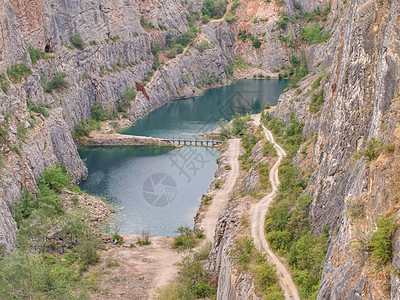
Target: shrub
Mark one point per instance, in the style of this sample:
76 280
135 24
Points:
18 71
77 41
188 37
373 149
155 48
217 184
269 149
4 84
192 279
40 108
317 99
204 45
205 19
313 34
56 177
57 83
128 96
256 43
186 239
206 199
172 53
239 64
214 8
316 83
117 239
146 25
381 240
35 54
144 240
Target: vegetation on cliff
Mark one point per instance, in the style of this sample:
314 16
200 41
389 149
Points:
55 245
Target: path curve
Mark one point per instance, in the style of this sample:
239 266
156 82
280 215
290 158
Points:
209 222
259 211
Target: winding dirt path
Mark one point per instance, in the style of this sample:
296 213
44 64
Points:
220 199
259 211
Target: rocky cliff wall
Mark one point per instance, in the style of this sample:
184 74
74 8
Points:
360 66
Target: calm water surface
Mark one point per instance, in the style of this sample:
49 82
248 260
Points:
159 188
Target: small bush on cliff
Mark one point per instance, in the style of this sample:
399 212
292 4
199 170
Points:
57 83
380 245
214 8
317 99
373 149
188 37
4 84
313 34
39 108
18 71
128 96
77 41
35 54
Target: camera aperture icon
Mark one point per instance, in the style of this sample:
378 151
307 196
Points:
159 189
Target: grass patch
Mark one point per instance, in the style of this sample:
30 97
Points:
39 108
18 71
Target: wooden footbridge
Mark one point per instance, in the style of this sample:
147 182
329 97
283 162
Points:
206 143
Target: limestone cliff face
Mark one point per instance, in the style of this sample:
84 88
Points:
360 65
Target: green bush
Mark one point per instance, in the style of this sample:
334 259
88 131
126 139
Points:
117 238
214 8
18 71
380 245
35 54
57 83
185 240
256 43
77 41
192 281
373 149
204 45
127 98
317 99
4 84
313 34
56 177
40 108
188 37
316 83
269 149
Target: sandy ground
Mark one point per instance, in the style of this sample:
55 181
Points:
259 210
135 273
222 196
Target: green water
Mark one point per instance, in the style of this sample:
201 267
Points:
159 188
186 118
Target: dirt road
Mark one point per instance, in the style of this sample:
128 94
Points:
259 210
222 196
